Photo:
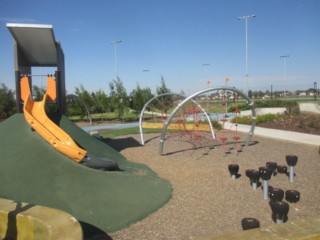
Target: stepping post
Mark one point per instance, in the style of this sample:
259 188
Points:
265 174
292 162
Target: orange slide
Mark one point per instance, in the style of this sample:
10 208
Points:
35 115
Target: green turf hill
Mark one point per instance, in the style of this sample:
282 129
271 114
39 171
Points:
33 171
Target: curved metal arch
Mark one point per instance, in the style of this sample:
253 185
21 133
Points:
176 94
250 103
83 103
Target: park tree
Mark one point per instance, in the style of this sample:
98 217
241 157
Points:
7 102
118 97
165 102
182 93
100 102
85 102
138 98
163 87
38 93
74 107
258 94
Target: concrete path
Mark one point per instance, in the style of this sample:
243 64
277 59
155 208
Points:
309 107
279 134
288 136
262 111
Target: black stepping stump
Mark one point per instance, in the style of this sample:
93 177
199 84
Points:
249 223
254 177
233 169
292 162
292 196
279 211
282 169
265 174
276 194
273 166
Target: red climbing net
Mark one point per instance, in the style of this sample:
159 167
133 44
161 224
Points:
191 125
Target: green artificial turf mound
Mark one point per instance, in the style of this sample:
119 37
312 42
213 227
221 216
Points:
32 171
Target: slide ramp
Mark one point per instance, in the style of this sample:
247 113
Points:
36 117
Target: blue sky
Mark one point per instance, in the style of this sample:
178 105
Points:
174 38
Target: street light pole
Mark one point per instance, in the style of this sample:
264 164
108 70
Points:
115 42
205 65
145 71
246 18
284 70
284 66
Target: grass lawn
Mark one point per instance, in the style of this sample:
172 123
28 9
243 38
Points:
128 131
119 132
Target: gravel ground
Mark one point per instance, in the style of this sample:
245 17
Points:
205 200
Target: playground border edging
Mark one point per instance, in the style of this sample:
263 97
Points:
27 221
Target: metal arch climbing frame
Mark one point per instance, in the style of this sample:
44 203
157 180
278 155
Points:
250 103
167 94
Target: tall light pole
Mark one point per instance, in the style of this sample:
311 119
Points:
246 18
284 66
115 42
205 65
284 70
145 71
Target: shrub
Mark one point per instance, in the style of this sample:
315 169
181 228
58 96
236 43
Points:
240 107
267 118
291 105
275 103
260 119
293 110
310 122
7 102
216 125
243 120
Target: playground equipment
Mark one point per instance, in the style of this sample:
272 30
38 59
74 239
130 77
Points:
35 115
107 201
292 196
254 177
282 169
233 169
279 211
223 94
190 114
48 53
273 166
292 162
250 223
265 174
276 194
164 114
38 120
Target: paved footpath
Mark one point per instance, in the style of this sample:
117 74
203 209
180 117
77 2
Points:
304 138
309 107
310 139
